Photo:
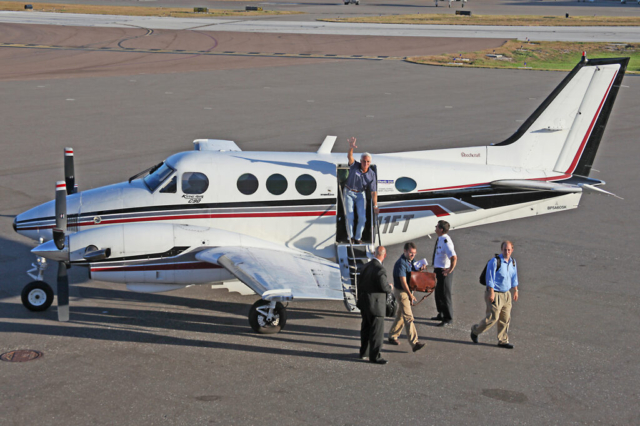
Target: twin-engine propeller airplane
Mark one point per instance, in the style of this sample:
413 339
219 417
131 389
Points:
275 222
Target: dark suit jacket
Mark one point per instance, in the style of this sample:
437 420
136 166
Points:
372 289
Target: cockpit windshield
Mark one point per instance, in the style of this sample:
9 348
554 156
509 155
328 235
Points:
156 177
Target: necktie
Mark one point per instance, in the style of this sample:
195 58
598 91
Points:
435 247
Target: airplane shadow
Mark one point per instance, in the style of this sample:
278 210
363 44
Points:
123 317
119 321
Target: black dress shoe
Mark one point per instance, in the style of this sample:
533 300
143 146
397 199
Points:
474 338
418 346
444 324
393 341
505 345
358 241
436 318
381 361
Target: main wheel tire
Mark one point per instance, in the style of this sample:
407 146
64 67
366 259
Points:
259 323
37 296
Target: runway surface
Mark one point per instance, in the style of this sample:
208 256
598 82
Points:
593 34
315 9
189 357
31 52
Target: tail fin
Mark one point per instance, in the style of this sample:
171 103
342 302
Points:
562 136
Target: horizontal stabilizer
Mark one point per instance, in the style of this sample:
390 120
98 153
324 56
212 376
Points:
536 185
599 190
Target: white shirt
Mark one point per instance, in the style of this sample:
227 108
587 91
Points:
444 252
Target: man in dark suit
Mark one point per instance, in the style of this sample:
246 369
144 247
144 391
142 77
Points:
372 301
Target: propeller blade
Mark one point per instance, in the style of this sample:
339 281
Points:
69 171
63 292
61 215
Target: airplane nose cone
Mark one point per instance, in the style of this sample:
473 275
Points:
49 251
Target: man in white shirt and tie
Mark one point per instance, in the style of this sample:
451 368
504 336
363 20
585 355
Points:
444 262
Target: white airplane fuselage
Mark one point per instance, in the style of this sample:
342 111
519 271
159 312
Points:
154 226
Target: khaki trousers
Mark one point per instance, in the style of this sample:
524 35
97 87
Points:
499 311
404 316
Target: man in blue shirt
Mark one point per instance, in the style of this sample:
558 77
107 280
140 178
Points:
405 298
502 281
361 178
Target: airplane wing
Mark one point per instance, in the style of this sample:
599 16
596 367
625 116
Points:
279 275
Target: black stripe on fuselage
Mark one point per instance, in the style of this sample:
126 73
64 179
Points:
484 197
170 207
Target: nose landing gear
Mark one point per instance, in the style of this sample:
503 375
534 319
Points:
37 296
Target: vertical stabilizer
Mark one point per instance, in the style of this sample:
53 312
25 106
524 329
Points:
562 136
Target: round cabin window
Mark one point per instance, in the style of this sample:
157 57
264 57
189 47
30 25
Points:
306 184
277 184
247 184
405 184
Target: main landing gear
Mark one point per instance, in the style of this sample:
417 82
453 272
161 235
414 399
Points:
356 2
267 317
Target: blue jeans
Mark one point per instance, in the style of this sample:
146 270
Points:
357 198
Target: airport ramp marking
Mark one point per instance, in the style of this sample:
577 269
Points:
205 52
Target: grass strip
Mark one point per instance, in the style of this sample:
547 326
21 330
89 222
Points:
492 20
546 55
175 12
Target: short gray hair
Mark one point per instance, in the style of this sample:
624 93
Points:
366 154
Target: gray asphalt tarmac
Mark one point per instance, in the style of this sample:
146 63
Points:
261 25
189 357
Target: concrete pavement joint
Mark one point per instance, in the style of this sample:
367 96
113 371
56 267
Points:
203 52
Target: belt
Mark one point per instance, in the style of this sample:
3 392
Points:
352 190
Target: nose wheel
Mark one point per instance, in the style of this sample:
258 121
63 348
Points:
37 296
266 317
